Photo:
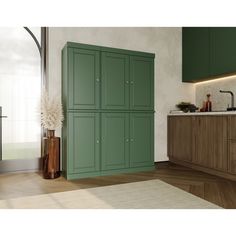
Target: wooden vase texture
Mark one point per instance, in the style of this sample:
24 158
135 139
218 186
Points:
51 163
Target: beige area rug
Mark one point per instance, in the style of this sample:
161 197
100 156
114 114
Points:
151 194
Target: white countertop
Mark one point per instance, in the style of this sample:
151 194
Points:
215 113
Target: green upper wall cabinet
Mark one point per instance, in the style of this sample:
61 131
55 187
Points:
223 50
141 83
195 54
115 81
208 52
84 82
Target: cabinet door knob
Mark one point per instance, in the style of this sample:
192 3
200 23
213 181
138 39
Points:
131 140
127 140
97 141
131 82
127 81
98 80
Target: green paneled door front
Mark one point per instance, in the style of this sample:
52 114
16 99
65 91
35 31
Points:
141 83
223 50
141 139
115 141
196 54
84 142
115 81
84 81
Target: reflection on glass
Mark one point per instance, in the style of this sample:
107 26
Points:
20 88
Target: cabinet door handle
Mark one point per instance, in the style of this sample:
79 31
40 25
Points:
131 140
98 80
97 141
132 82
127 140
127 81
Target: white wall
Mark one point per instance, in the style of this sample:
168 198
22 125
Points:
166 43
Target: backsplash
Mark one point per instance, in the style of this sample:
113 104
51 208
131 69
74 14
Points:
219 100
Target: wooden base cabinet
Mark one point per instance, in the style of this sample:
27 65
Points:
232 144
232 156
180 138
210 142
203 142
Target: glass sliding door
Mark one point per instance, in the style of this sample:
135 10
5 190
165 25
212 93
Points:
20 90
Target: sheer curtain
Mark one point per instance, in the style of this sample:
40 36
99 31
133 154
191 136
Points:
20 89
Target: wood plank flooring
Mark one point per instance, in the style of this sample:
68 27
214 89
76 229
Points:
211 188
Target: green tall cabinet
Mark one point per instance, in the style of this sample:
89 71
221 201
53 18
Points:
83 79
115 141
108 100
83 140
115 81
141 137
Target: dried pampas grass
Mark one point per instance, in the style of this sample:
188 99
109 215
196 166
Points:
51 111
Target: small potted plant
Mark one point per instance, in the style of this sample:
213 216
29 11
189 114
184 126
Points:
51 119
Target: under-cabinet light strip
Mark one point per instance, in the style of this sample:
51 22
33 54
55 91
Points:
217 79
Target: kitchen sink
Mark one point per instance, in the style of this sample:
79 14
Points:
231 109
228 109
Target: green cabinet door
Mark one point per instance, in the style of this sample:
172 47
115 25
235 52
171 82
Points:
141 83
115 141
84 79
83 143
223 50
141 139
196 54
115 81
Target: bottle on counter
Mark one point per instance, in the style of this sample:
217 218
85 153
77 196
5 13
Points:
208 104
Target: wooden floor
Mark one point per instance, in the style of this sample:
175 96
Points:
214 189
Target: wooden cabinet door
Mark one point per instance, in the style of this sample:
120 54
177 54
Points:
211 142
180 137
223 50
232 143
84 79
196 53
232 127
232 156
141 139
141 83
115 81
115 141
83 143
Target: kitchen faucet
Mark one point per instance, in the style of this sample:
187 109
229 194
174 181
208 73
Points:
232 108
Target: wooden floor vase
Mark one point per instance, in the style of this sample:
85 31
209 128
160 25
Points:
51 163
